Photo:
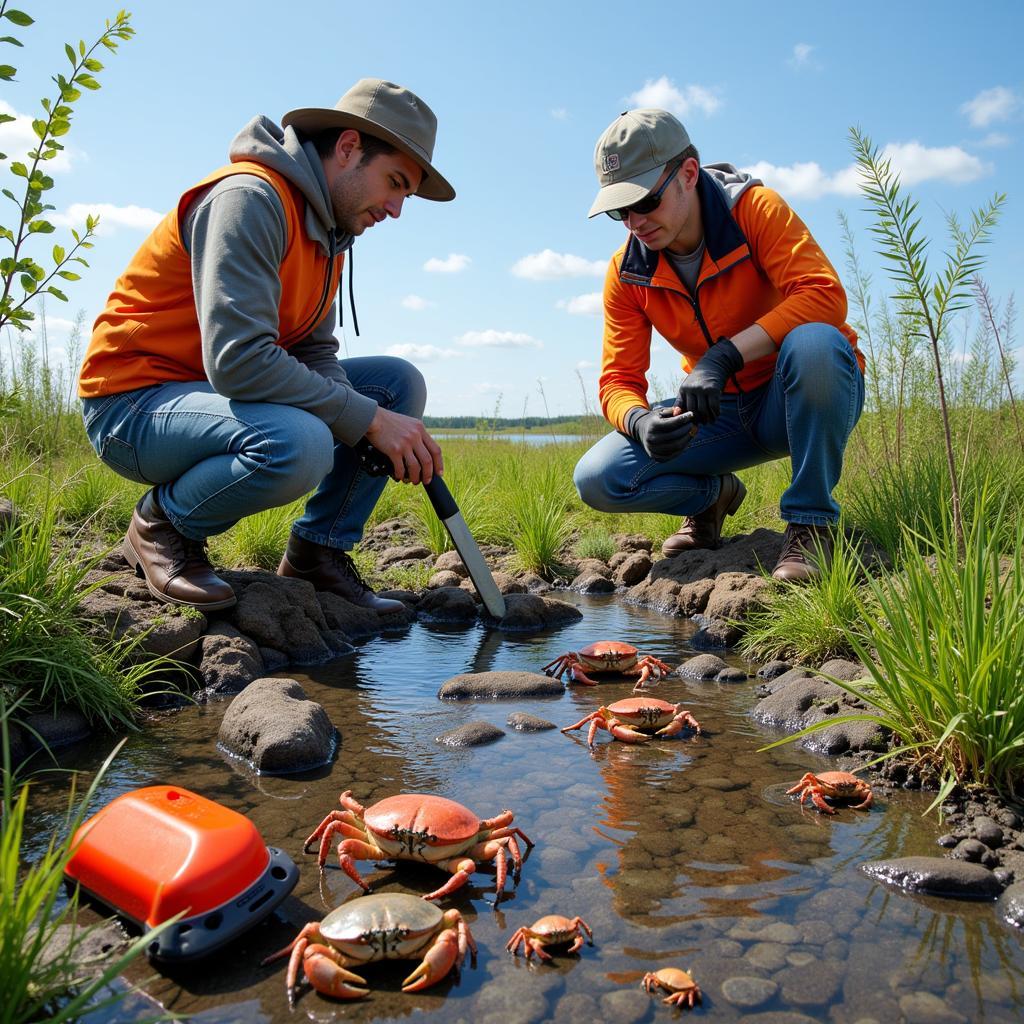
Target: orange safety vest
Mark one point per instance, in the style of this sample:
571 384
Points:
149 331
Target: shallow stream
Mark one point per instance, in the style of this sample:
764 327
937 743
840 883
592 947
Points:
681 852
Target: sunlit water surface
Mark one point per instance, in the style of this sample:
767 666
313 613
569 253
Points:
678 852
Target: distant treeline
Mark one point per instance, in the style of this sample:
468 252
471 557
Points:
501 424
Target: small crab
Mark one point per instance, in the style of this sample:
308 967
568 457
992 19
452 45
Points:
842 786
635 719
609 656
682 989
388 926
552 930
423 827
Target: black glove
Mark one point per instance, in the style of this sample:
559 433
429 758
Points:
701 392
662 435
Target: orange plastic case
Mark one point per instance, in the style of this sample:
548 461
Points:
163 850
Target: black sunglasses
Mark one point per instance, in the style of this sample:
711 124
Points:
648 204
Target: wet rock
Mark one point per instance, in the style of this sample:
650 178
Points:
528 612
499 686
788 704
987 831
781 680
937 876
781 1017
632 542
448 604
661 595
840 668
703 666
523 722
450 561
58 728
715 634
279 612
273 660
814 984
1008 819
404 553
228 661
970 850
273 725
509 584
731 675
534 584
628 1006
1004 876
1011 905
928 1008
353 622
597 567
633 569
592 583
164 629
848 736
472 734
769 955
90 948
748 993
778 931
948 841
773 669
445 578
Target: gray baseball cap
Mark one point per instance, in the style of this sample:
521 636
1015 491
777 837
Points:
631 154
389 112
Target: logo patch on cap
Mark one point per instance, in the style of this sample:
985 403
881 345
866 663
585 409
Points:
610 162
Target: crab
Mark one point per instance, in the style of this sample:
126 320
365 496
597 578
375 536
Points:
608 656
682 989
842 786
388 926
635 719
552 930
422 827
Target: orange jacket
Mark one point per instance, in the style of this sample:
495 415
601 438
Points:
760 265
149 331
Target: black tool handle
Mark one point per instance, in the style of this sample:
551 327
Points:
376 463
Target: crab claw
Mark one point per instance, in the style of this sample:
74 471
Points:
437 963
326 974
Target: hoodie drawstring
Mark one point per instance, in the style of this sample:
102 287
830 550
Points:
351 294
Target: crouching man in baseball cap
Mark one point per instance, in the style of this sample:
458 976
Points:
731 278
213 373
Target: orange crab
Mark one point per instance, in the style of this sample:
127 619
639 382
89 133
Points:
682 989
388 926
843 786
635 719
609 656
552 930
422 827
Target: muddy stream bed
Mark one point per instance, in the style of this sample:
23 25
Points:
680 852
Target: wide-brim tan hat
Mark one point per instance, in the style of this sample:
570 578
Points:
389 112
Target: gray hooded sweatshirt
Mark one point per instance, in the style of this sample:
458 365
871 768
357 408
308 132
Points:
235 234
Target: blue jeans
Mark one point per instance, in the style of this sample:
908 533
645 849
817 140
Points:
213 460
807 410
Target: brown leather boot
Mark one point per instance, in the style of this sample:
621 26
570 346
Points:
333 570
704 530
175 568
800 559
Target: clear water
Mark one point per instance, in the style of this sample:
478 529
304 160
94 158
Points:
678 852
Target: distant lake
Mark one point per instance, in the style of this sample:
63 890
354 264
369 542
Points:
531 439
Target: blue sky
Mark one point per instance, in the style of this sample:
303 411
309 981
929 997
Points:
494 296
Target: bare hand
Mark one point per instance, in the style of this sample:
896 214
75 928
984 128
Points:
415 456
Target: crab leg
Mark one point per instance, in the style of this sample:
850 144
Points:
625 733
334 826
325 969
351 850
448 950
500 833
680 722
461 868
577 675
558 666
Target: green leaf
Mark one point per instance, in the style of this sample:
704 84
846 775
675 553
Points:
70 51
58 254
7 72
58 293
19 18
11 39
39 127
10 195
59 126
88 81
40 227
18 168
4 118
28 282
69 275
92 64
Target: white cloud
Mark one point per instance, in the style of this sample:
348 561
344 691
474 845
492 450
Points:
484 388
498 339
997 104
560 114
994 140
416 302
801 60
455 263
912 161
17 138
590 304
586 364
662 92
422 353
549 265
135 218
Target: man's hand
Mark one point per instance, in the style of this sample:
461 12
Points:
701 392
414 454
662 434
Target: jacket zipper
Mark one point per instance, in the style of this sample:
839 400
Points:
331 253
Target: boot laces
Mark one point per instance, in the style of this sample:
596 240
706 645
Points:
343 560
799 542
